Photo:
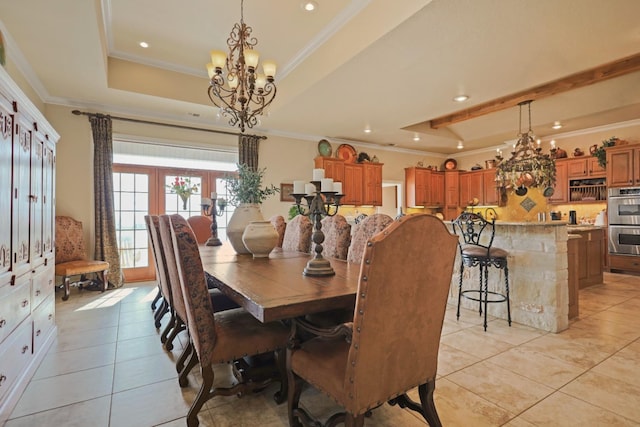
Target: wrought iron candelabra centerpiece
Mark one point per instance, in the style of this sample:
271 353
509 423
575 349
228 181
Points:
209 209
318 205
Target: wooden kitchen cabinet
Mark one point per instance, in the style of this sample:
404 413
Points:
361 182
333 167
451 195
372 185
352 187
584 167
623 166
424 187
573 243
590 260
561 187
490 192
480 185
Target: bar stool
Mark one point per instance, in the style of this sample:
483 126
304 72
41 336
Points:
477 250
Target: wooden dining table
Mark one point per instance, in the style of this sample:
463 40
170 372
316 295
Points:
274 288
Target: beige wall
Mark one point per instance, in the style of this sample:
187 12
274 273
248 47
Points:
286 159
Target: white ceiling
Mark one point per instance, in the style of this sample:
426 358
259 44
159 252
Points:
350 64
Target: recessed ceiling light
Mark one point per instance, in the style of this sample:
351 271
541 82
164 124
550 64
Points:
461 98
144 45
556 125
309 6
367 130
460 145
416 138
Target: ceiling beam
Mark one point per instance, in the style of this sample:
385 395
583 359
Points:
598 74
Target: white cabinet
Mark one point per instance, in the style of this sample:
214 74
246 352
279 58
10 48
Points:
27 201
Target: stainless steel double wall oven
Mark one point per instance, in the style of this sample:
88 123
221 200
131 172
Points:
624 221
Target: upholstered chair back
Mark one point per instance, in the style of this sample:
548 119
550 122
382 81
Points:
153 228
402 297
400 306
201 226
280 225
197 301
69 240
363 231
297 236
172 267
337 236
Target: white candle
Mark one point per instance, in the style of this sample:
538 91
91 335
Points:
298 187
326 184
205 201
310 189
318 174
214 195
337 187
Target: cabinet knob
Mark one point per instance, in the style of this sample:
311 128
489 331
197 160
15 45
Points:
2 322
25 303
24 349
2 379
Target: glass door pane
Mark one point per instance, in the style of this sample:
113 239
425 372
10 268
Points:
131 204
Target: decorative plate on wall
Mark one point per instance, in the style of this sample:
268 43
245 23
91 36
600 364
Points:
450 164
347 153
324 148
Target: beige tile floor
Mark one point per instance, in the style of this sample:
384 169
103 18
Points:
107 368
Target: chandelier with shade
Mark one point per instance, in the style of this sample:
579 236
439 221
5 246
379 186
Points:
527 167
236 87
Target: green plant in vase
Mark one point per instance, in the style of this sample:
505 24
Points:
247 187
246 191
601 152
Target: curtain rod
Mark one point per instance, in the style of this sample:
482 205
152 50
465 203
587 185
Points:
148 122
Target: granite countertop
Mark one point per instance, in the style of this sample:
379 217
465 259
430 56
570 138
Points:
584 227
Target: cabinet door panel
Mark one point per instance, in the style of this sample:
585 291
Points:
491 194
21 200
577 168
6 142
437 189
620 168
561 188
35 198
352 185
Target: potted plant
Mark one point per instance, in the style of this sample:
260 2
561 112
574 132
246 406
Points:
246 192
601 152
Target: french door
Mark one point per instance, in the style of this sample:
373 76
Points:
146 190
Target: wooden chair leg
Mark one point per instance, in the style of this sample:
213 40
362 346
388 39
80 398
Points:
183 380
183 357
293 400
66 285
430 414
170 325
105 280
280 359
351 420
160 312
156 299
179 327
203 395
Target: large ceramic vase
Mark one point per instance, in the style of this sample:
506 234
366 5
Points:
260 237
242 216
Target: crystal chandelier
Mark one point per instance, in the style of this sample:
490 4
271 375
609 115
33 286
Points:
527 166
243 93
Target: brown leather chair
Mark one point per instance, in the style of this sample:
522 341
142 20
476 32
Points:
162 275
224 336
297 236
201 226
363 231
337 236
280 225
391 345
71 256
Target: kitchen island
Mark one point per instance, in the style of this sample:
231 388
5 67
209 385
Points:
538 275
